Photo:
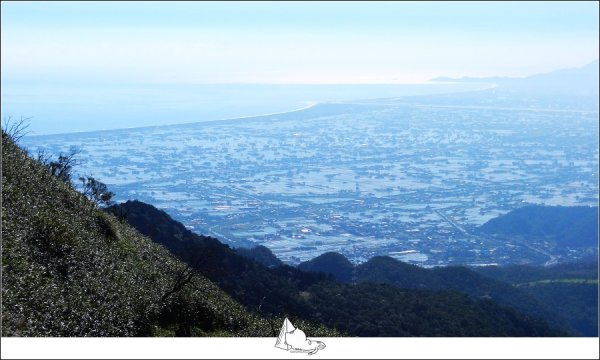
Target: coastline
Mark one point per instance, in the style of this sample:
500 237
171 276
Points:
310 104
346 94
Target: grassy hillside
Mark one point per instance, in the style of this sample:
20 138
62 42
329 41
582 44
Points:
70 269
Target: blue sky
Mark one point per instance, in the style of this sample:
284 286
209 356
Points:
291 42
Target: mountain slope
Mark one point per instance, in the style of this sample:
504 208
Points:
569 289
245 280
69 269
330 263
386 270
261 255
457 278
315 297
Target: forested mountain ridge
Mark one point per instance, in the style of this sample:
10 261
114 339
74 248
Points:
384 269
332 263
319 298
564 294
569 289
261 255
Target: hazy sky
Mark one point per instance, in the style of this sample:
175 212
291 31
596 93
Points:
337 42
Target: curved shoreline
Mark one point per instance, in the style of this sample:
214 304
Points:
311 104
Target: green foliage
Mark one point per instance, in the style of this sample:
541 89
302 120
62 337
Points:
63 166
520 274
363 309
383 269
71 272
274 290
569 289
96 191
575 301
382 310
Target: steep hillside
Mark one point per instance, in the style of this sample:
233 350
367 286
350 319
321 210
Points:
249 282
355 309
69 269
574 226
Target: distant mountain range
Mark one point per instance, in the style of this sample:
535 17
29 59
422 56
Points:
578 81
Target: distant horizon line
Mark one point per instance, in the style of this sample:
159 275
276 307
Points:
435 80
427 82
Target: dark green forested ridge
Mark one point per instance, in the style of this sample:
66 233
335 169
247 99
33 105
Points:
575 226
245 280
70 269
355 309
564 294
261 255
522 274
384 269
330 263
569 289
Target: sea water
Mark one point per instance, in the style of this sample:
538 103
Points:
67 108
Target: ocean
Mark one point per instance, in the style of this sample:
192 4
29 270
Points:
63 108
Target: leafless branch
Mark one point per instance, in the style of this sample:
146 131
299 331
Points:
15 129
183 276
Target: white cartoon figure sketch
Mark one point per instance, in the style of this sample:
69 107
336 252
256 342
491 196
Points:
294 340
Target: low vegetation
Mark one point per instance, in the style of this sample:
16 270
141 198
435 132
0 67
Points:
70 269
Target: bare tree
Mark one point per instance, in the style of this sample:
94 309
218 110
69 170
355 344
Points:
267 316
43 157
62 167
96 191
15 129
182 276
